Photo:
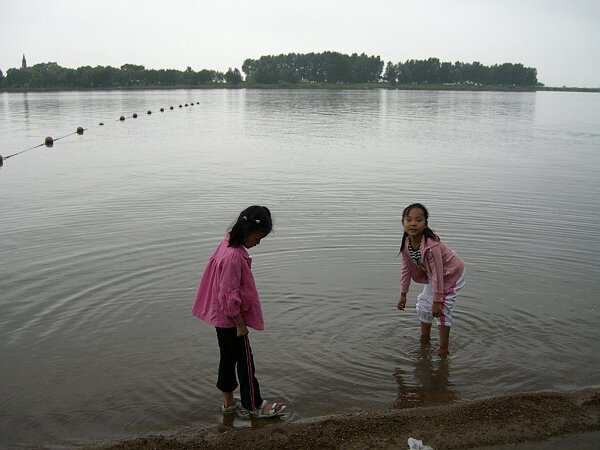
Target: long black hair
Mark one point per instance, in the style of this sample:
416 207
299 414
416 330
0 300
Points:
254 218
428 232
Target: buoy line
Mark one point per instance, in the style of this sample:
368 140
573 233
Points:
49 140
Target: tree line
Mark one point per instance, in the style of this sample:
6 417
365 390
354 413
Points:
433 71
332 67
51 75
326 67
292 68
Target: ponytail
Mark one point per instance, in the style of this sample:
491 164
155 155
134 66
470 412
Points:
254 218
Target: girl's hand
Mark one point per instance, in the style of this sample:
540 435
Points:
402 302
436 309
240 325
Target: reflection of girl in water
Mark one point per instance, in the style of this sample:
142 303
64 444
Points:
431 384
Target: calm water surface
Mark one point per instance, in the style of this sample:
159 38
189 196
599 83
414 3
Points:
104 238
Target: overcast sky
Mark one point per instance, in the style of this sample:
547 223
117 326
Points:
560 38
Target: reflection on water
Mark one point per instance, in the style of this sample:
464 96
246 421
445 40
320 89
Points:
429 383
105 235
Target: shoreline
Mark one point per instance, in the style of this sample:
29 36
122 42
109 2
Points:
507 420
315 86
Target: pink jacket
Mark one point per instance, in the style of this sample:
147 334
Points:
441 263
227 289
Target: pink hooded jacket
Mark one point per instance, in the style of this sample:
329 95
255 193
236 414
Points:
227 289
442 266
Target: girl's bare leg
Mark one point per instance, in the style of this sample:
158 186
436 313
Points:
228 399
444 341
425 333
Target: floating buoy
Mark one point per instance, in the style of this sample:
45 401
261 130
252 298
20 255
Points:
180 106
162 109
149 112
135 115
197 103
101 123
186 105
79 130
122 118
1 161
170 107
192 104
49 142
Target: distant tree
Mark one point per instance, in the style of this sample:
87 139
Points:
107 76
446 73
365 69
206 77
326 67
431 71
189 77
233 77
457 72
17 78
169 77
249 67
391 73
131 74
1 78
132 68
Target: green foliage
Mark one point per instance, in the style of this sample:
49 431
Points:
233 77
326 67
313 69
431 71
51 75
336 68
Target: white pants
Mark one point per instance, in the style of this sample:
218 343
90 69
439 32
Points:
425 302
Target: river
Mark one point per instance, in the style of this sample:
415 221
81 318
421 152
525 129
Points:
105 236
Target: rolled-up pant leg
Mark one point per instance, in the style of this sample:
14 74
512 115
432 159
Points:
237 353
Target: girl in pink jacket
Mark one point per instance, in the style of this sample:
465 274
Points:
227 299
426 260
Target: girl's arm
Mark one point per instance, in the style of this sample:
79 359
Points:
229 289
402 301
436 265
242 329
404 283
404 275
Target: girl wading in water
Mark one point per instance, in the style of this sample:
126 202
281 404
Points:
427 260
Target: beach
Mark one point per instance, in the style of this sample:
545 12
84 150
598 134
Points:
544 419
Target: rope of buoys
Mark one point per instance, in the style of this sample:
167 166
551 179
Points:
49 140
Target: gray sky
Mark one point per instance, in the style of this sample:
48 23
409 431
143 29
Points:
560 38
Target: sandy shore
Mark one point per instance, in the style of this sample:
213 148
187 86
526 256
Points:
505 421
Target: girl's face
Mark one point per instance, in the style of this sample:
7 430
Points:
414 222
254 238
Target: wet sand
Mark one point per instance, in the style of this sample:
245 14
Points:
511 421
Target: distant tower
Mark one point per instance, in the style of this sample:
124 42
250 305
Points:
24 62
